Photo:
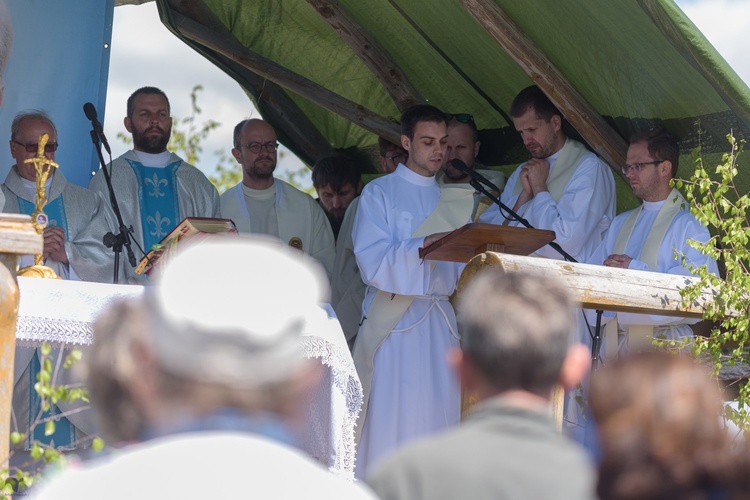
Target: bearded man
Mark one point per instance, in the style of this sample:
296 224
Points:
155 189
564 187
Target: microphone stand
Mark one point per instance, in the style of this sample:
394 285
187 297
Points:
504 208
114 241
596 342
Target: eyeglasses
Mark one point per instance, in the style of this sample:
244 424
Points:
399 158
462 117
50 147
638 166
255 147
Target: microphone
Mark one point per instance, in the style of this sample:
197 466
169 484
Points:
90 112
461 166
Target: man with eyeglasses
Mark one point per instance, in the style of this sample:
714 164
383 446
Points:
391 155
155 189
652 237
564 187
77 218
463 144
261 204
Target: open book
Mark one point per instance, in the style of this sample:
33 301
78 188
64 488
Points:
191 229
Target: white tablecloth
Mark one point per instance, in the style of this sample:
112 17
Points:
62 312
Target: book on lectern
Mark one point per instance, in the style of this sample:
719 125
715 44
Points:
192 229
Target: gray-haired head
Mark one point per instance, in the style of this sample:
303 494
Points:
517 329
29 114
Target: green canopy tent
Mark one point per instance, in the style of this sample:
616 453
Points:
333 75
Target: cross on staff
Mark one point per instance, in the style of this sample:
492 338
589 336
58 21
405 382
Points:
39 218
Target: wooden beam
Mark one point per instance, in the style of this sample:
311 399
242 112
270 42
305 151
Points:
372 54
605 140
229 47
296 126
297 132
671 31
600 287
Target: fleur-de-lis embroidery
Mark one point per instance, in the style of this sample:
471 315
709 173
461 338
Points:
156 183
158 224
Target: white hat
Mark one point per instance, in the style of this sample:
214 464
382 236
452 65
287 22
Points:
234 310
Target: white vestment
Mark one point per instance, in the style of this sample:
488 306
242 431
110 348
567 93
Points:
481 201
413 391
298 216
87 218
197 197
347 288
243 466
683 227
579 217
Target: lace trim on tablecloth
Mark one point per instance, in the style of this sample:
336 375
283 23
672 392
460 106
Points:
346 380
32 331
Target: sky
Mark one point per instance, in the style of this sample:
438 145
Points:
162 60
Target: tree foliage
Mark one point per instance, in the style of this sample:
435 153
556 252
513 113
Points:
50 393
717 203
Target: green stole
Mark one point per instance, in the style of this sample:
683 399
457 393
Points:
641 335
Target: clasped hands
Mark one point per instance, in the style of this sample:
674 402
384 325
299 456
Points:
54 244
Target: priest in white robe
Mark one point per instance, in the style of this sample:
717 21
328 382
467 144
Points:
261 204
652 237
409 325
563 188
155 189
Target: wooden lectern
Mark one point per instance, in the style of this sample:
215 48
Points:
473 239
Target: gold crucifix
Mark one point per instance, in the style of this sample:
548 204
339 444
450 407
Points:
39 218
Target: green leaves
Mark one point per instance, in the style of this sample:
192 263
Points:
717 203
50 393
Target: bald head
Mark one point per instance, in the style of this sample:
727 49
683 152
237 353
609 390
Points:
463 144
255 149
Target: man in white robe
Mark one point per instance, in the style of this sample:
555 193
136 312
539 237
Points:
652 237
409 324
77 220
563 188
261 204
155 189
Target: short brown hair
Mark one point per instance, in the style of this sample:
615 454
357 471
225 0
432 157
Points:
662 146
